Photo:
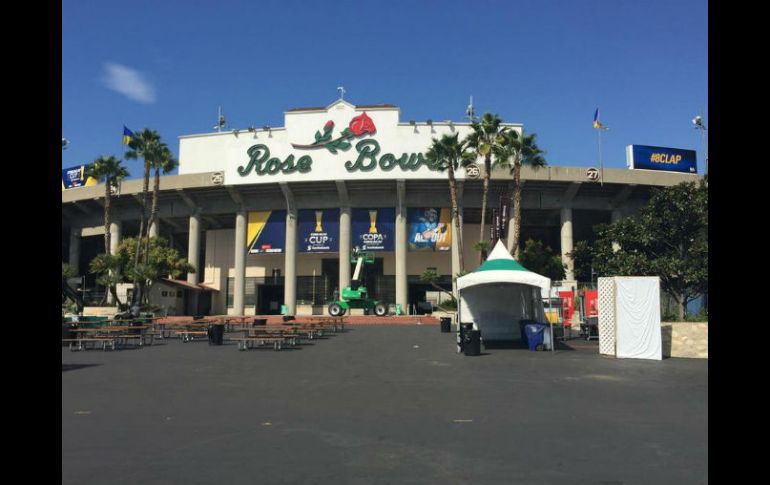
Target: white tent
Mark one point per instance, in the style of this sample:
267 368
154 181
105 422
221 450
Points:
500 293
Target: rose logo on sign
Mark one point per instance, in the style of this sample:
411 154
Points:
358 126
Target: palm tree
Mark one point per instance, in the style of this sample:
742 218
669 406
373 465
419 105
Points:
165 161
448 154
519 149
145 144
110 171
486 140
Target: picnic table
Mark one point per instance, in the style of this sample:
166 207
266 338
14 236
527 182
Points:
112 336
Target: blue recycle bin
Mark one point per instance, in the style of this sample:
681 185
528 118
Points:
535 333
522 326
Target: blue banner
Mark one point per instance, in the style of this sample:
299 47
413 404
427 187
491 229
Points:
75 177
266 232
318 230
373 229
661 158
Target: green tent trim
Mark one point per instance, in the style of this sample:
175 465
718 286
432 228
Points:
501 264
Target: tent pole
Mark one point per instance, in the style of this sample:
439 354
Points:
550 325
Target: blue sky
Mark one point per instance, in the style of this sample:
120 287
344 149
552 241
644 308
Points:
547 64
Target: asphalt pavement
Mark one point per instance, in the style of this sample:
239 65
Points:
380 405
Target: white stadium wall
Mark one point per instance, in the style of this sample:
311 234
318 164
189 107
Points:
228 153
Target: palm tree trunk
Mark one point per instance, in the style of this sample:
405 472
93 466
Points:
456 216
107 220
145 190
114 291
487 176
153 214
516 203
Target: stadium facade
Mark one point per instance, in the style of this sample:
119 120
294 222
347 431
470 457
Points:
269 215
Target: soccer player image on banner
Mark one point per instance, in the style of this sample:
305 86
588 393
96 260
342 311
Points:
428 231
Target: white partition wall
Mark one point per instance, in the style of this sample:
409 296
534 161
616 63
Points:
606 316
629 317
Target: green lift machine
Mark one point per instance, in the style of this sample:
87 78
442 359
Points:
356 295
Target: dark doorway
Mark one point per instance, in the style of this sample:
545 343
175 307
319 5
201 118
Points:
369 272
330 272
269 299
417 300
197 302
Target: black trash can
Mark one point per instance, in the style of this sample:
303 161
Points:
446 324
472 344
67 330
216 334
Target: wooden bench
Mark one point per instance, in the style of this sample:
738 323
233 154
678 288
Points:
291 338
106 342
152 334
189 335
277 330
336 323
123 339
245 343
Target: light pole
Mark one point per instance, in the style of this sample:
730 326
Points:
700 125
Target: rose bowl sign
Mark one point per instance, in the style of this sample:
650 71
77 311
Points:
339 142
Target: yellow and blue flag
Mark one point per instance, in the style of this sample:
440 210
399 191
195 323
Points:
597 123
127 135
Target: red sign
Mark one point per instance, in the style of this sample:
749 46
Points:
567 307
591 298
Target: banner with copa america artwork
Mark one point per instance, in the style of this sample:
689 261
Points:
430 229
318 230
373 229
266 232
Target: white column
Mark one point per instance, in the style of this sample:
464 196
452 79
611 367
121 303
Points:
116 234
116 231
154 228
402 294
615 217
345 229
193 249
567 243
290 263
240 263
74 260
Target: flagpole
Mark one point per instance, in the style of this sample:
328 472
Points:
601 162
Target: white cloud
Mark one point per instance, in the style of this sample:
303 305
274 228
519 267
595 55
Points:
129 83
